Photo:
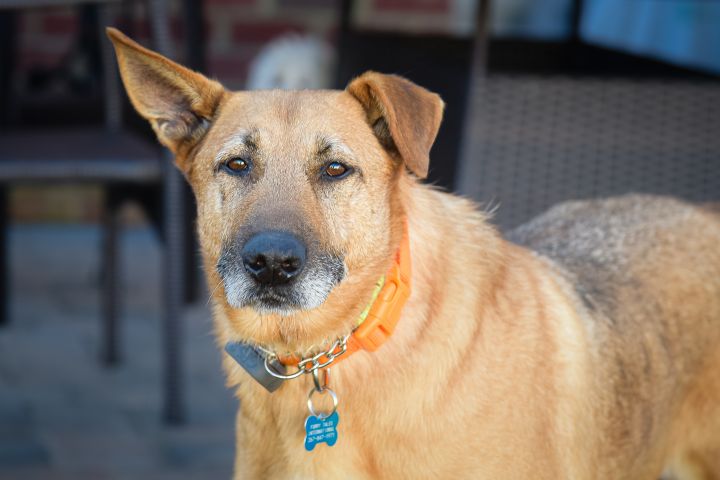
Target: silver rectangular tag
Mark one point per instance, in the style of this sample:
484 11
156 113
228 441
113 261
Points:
253 361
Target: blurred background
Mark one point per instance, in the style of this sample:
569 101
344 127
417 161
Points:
108 368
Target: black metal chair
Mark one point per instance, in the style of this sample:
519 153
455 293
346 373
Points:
553 121
127 168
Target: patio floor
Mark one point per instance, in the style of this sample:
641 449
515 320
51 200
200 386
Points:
65 416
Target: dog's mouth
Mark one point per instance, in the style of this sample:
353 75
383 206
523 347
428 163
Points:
274 301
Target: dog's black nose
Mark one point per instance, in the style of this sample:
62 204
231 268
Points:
273 258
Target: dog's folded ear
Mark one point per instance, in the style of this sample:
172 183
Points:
404 116
178 103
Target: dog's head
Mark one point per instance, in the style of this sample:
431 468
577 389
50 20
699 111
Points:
299 192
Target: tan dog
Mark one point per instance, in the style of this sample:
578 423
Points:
597 357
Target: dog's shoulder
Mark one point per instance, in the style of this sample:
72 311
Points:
599 243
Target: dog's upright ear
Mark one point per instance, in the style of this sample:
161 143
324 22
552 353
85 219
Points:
178 103
405 117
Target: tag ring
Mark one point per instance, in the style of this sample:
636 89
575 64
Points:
310 403
269 369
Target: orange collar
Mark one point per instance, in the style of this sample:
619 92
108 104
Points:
384 313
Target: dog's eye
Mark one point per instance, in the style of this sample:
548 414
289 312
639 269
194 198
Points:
237 166
336 170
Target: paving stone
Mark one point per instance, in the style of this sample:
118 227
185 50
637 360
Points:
22 450
49 473
15 413
199 450
65 416
111 451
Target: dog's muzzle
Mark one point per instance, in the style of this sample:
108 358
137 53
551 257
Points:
274 271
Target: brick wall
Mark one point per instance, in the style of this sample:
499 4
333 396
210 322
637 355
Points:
237 29
453 17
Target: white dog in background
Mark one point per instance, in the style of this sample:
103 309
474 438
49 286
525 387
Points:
293 62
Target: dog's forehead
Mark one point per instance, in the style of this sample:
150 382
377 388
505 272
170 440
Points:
296 114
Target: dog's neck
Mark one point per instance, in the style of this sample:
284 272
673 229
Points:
288 357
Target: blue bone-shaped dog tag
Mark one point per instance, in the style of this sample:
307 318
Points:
321 430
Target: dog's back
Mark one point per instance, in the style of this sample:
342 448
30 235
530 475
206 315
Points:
646 271
610 246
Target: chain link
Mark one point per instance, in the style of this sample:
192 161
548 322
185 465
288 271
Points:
309 365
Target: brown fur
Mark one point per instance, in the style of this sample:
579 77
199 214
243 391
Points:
595 357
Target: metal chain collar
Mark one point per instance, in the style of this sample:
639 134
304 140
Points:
310 364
